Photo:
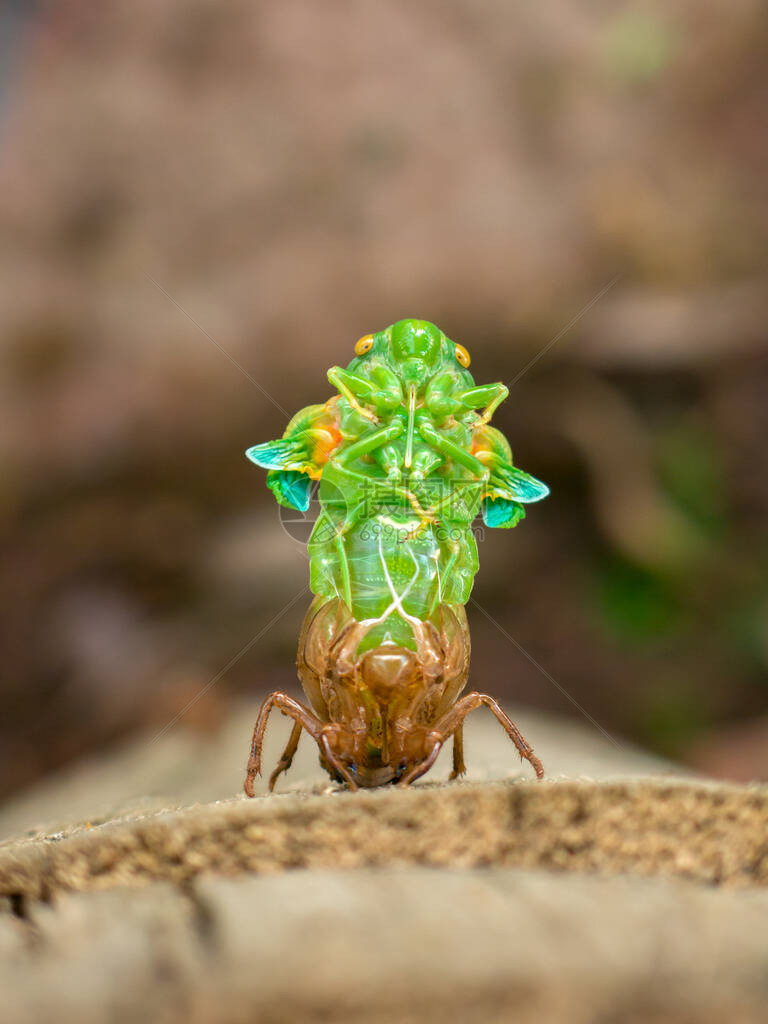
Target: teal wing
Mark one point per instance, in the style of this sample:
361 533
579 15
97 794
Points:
507 481
287 461
290 488
285 453
507 491
502 513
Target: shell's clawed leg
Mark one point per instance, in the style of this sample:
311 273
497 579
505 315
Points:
437 739
459 768
335 762
286 759
452 721
303 718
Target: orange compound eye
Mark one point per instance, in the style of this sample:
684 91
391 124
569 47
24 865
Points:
462 356
365 344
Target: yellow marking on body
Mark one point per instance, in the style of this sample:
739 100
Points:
328 440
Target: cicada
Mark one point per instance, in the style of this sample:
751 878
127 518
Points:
404 459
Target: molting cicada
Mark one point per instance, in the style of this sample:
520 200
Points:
405 460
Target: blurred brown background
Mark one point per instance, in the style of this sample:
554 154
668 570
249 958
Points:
276 179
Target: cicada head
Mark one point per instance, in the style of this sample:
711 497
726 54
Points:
415 346
415 351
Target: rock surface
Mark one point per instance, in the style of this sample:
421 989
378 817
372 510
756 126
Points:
393 945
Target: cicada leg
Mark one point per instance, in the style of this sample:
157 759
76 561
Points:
438 739
286 758
347 383
453 720
453 451
303 718
500 392
459 768
335 762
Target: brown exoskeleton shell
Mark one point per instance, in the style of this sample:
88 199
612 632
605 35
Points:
380 714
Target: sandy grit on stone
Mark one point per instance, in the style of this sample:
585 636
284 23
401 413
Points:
712 834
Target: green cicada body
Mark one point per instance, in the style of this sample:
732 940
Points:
406 460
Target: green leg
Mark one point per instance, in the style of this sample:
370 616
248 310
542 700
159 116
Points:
493 405
489 395
388 457
452 451
368 442
345 382
424 461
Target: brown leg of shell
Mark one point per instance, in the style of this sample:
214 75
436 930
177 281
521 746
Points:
303 718
337 764
459 768
452 719
287 756
423 766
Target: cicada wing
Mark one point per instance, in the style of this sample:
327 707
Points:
290 488
513 484
508 489
285 453
502 513
288 462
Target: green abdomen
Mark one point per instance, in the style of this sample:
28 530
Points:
397 566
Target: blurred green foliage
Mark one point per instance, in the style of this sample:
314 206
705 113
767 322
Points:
690 462
638 605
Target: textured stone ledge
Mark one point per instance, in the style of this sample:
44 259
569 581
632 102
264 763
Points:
708 833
